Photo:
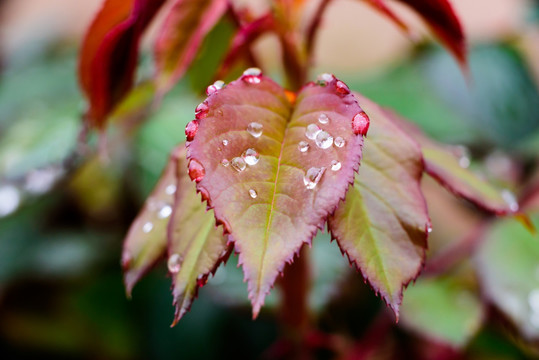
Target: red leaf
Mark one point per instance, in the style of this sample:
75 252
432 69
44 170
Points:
181 36
271 182
109 54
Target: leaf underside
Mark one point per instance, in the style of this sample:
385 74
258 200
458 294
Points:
382 224
266 208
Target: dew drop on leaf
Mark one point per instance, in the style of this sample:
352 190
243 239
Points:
191 130
311 131
323 118
238 164
251 157
253 193
201 110
196 170
252 75
164 212
360 123
339 142
324 79
225 142
323 140
225 162
174 263
255 129
342 88
335 165
170 189
147 227
429 229
312 177
303 146
216 86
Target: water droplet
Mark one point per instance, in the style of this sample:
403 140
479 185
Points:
216 86
360 123
255 129
510 199
311 131
196 170
312 177
225 142
324 140
323 118
225 162
429 229
464 162
251 157
252 75
533 300
335 165
174 263
238 164
191 130
201 110
463 154
254 71
342 88
303 146
253 193
10 199
147 227
324 79
170 189
164 212
339 142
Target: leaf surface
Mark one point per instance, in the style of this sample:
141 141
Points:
382 224
268 207
196 246
109 54
182 34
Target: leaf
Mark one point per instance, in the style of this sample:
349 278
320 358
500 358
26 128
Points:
182 34
382 224
109 52
439 16
443 309
146 240
196 247
261 195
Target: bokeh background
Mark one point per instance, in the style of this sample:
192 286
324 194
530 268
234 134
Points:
63 217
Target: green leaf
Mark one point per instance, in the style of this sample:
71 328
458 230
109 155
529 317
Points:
382 224
443 309
196 246
246 155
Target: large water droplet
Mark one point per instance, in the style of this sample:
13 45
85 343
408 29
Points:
335 165
174 263
324 79
339 142
360 123
254 71
342 88
303 146
201 110
311 131
255 129
225 162
191 130
164 212
253 193
323 140
10 199
238 164
323 118
510 199
196 170
170 189
147 227
216 86
251 157
312 177
252 75
533 300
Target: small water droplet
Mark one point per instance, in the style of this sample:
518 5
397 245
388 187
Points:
323 118
303 146
225 162
252 75
147 227
342 88
429 229
360 123
510 199
174 263
312 177
201 110
191 130
251 157
164 212
253 193
225 142
254 71
170 189
533 300
324 140
335 165
196 170
10 199
324 79
216 86
255 129
238 164
311 131
339 142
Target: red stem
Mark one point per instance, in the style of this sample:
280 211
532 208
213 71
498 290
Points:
314 26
